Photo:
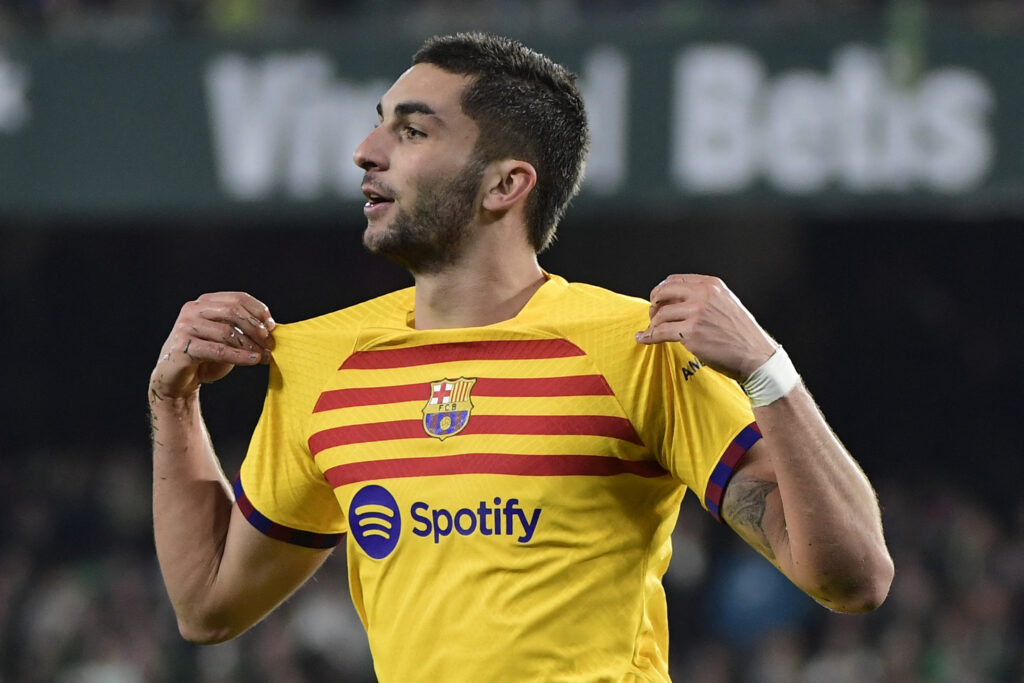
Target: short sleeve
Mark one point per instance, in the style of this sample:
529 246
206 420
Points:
700 423
280 489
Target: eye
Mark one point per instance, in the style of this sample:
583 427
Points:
410 132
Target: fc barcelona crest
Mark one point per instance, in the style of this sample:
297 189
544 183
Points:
448 408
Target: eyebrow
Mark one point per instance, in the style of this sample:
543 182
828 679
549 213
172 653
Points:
406 108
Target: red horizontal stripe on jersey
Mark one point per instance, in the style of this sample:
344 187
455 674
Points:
553 425
511 349
573 385
365 433
372 396
490 463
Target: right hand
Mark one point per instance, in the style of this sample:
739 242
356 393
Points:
212 334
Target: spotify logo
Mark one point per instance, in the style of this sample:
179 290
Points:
374 521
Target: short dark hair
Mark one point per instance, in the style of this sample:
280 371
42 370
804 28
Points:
527 107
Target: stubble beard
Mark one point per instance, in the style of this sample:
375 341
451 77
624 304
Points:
428 236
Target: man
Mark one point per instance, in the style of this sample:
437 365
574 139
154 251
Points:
504 452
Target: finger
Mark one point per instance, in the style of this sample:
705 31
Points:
220 332
660 299
259 313
668 320
231 312
243 305
674 312
658 287
692 281
200 350
216 333
674 287
665 332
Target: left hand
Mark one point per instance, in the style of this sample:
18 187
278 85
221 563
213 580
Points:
703 314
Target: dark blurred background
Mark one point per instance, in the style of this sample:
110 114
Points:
894 286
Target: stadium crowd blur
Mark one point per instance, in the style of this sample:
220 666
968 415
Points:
81 600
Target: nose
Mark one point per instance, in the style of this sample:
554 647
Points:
370 153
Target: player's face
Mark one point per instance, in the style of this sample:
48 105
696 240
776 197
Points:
422 181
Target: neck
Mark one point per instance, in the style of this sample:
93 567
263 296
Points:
481 289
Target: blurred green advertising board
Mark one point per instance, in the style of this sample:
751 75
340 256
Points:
831 117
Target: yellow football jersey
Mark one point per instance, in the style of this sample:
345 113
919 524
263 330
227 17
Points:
507 492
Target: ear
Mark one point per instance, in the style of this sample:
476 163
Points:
509 182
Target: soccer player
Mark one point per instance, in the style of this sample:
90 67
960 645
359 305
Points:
503 452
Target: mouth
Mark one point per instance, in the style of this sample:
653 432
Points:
374 198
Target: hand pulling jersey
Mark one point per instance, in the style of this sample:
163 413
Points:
507 492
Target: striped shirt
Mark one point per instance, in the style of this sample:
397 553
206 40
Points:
507 493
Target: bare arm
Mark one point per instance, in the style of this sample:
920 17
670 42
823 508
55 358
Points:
802 501
221 574
798 496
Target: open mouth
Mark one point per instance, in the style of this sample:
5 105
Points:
374 197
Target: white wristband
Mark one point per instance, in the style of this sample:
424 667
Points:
771 381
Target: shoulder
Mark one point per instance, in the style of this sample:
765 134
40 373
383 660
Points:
604 323
383 307
601 322
320 340
379 311
584 291
580 301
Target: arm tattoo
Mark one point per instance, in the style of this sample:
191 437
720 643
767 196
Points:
744 507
